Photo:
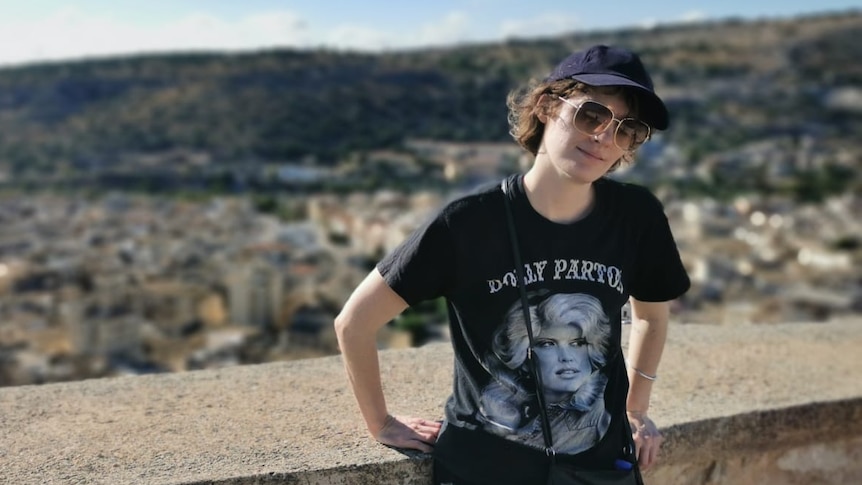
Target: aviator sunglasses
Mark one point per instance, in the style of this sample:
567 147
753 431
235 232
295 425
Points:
592 118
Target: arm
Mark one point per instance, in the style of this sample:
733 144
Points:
646 343
371 305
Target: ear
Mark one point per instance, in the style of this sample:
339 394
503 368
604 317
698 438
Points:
541 109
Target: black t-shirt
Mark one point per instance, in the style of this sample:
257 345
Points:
578 276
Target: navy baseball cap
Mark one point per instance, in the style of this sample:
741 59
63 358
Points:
602 65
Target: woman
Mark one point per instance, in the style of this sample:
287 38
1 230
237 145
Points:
579 233
571 339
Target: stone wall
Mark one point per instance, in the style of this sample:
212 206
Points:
778 404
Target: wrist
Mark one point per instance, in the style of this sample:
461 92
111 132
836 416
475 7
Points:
377 424
387 421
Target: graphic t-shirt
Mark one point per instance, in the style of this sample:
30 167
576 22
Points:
577 277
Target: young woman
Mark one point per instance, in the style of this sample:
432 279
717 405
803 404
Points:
579 233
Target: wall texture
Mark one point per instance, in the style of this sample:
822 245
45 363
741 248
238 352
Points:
778 404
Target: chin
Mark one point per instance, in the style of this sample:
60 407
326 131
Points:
589 170
579 177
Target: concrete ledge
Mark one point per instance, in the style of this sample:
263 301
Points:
746 404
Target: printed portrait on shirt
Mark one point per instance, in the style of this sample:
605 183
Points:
570 336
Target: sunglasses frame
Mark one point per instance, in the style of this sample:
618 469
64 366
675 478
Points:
613 118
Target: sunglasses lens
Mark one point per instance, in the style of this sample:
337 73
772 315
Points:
593 118
631 133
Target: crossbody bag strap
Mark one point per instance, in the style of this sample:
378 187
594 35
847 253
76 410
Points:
525 307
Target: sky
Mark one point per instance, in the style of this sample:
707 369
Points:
33 31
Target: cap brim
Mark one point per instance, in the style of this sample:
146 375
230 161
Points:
653 110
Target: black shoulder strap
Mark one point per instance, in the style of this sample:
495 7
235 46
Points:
525 307
534 366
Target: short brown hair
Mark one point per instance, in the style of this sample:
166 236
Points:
526 105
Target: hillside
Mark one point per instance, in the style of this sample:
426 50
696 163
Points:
728 84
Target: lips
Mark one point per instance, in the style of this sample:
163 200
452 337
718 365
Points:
590 154
567 372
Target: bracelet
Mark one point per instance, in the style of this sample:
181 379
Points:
644 374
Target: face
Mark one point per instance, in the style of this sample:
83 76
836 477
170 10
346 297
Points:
573 155
564 363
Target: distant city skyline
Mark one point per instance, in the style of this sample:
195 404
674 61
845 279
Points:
50 30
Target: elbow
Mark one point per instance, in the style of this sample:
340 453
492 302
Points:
342 326
346 329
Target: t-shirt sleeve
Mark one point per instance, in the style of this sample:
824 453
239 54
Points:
660 274
420 267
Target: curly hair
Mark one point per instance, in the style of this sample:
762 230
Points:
510 342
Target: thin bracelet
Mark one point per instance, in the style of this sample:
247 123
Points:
644 374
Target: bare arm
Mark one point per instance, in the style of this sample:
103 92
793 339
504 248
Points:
646 344
371 305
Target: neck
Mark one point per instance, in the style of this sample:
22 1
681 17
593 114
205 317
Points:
558 200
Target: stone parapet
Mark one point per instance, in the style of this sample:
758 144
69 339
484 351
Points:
778 404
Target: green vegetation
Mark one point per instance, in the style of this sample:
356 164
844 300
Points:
418 319
138 123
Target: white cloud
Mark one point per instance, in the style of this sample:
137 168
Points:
69 33
693 16
73 33
540 26
648 23
204 31
64 33
357 37
450 29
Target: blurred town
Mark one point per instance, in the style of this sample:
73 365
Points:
128 284
171 214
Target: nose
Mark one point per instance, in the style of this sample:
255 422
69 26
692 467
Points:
604 136
564 354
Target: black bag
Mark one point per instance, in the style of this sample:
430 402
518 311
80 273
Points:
560 473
